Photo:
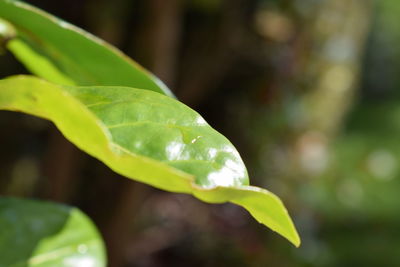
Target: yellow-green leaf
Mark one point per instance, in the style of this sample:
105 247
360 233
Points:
151 138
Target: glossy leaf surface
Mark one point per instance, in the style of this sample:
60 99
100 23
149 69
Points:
150 138
36 233
64 54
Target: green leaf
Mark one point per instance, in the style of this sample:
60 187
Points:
64 54
150 138
36 233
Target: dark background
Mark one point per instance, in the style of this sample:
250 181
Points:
307 90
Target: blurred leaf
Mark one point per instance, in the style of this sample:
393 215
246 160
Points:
150 138
37 233
64 54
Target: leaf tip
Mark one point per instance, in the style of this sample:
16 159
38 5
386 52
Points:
295 239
